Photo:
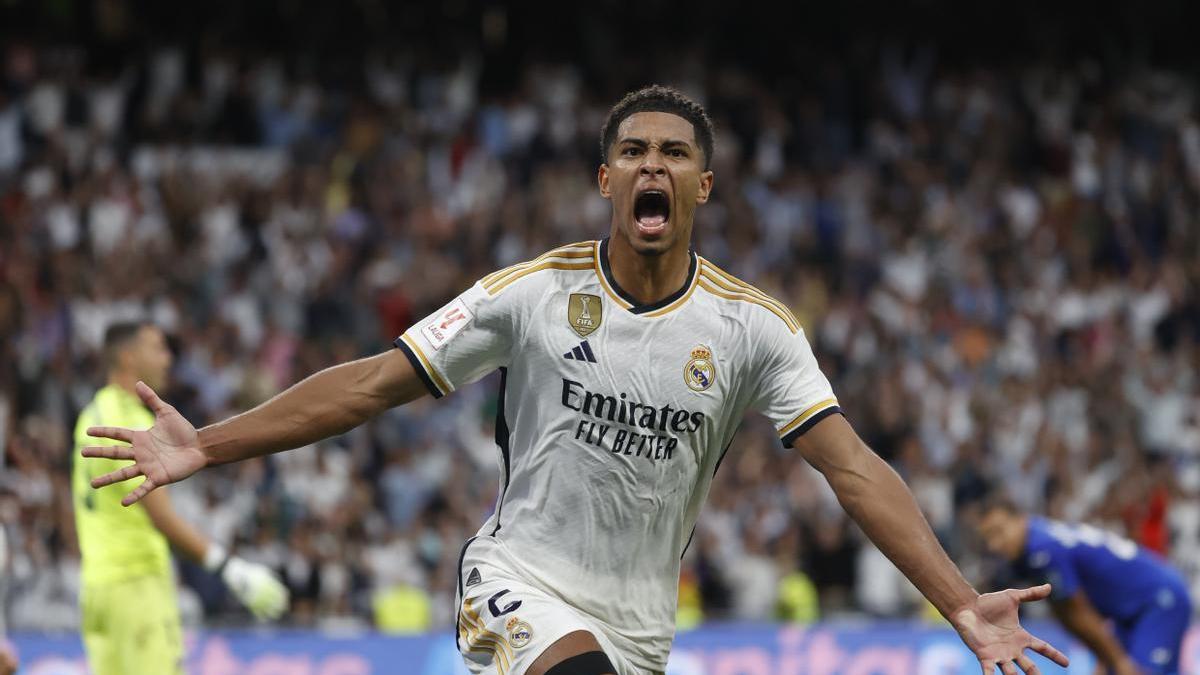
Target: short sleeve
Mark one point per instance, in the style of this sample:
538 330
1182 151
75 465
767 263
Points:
1051 563
467 338
792 391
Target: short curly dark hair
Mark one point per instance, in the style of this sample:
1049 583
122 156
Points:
657 98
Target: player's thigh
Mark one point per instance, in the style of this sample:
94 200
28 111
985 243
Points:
504 626
104 658
148 634
576 653
1155 640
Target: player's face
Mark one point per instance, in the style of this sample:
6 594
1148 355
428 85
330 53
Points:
152 357
655 179
1003 533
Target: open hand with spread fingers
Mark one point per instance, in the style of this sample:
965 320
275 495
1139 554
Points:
165 453
990 627
8 660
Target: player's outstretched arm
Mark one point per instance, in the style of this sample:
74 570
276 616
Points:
325 404
879 501
8 661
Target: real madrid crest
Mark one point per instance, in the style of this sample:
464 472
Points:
700 371
519 632
584 313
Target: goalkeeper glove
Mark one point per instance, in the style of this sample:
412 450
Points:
254 585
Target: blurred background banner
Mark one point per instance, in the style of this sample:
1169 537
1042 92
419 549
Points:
871 648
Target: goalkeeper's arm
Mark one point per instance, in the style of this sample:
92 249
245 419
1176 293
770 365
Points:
254 585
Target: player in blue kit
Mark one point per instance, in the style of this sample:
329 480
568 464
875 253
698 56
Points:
1098 577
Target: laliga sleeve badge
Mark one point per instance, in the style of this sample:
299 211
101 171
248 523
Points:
519 632
446 325
701 371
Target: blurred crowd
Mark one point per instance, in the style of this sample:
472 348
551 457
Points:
999 269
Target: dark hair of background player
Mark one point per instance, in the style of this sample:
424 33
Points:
117 337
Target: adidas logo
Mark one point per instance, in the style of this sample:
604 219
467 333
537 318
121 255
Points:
581 352
473 578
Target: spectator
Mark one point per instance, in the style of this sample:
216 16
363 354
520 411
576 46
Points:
999 269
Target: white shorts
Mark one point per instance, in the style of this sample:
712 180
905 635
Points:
504 624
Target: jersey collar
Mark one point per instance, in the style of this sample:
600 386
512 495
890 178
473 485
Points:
604 271
120 393
116 395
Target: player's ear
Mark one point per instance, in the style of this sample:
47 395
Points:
706 184
602 179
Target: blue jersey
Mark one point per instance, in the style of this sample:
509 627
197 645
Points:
1120 578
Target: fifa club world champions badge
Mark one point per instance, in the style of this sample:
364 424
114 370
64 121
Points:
584 313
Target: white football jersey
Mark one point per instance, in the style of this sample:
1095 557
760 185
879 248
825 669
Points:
613 419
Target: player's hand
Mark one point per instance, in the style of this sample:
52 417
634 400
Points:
8 662
165 453
256 587
990 627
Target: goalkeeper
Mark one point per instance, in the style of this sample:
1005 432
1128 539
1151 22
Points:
129 610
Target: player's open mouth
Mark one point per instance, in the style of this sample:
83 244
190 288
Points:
650 211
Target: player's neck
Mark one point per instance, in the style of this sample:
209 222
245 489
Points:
123 380
648 278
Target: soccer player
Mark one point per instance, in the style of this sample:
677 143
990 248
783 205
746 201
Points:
130 615
626 366
1097 577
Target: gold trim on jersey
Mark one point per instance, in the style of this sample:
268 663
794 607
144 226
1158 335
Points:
731 283
682 299
483 641
557 253
625 304
549 265
603 281
497 281
806 415
429 369
575 249
710 286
